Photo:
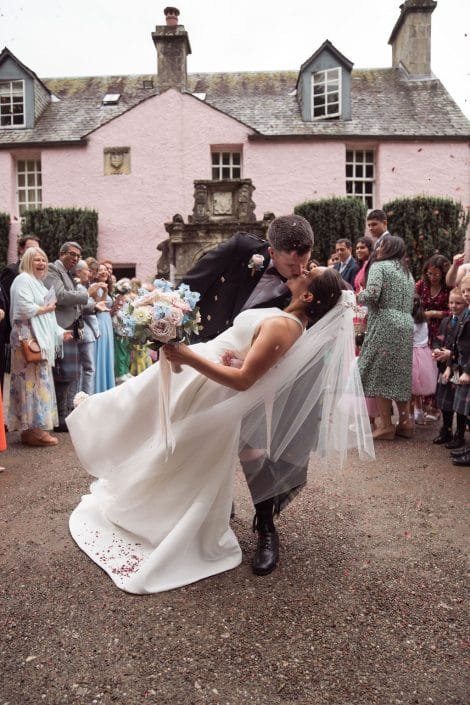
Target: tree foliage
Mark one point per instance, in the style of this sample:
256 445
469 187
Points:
54 226
428 225
332 219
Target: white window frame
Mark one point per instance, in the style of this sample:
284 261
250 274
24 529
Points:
7 103
28 184
226 164
360 182
325 79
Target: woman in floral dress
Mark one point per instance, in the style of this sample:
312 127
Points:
434 293
32 408
386 355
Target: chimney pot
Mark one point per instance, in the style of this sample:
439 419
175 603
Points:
171 16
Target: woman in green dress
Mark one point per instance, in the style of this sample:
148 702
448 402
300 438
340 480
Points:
386 355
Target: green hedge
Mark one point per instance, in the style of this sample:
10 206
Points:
54 226
332 219
4 235
429 225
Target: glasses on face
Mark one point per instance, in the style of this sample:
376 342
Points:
75 255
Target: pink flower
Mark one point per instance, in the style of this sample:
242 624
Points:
163 330
175 316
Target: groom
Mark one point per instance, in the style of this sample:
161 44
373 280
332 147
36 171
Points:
248 272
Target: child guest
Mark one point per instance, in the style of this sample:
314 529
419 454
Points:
461 359
445 392
424 370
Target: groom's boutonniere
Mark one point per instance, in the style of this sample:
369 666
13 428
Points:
256 264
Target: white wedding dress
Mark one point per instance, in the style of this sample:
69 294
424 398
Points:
156 520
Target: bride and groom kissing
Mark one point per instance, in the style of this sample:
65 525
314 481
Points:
264 385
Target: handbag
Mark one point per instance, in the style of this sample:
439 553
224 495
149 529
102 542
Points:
31 350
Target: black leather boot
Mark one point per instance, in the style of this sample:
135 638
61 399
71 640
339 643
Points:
458 441
445 435
267 549
463 460
459 452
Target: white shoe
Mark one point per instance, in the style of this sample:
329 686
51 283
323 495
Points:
420 418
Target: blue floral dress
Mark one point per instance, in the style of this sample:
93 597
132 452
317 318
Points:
32 394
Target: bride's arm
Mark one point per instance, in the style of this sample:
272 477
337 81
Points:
275 337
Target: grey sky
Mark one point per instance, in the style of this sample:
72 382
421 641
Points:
105 37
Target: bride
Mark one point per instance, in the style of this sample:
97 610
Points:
157 519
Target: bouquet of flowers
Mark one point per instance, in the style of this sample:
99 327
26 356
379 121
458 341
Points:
160 316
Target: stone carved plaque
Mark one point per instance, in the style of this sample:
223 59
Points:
222 203
229 199
117 161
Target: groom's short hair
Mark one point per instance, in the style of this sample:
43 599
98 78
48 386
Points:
290 233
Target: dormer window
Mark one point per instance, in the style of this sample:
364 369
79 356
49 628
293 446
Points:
12 104
324 85
326 94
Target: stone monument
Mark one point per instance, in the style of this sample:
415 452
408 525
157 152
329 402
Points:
221 208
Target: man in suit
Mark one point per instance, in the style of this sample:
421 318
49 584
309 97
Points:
71 304
347 265
377 226
248 272
378 230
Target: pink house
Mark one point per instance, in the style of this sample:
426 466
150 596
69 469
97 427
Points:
132 146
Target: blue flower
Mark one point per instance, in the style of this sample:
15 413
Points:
163 285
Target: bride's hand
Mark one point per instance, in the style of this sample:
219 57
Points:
178 353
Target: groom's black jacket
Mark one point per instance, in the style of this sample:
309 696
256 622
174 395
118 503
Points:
225 281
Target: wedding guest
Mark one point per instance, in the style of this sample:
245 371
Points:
32 406
7 276
122 293
71 305
159 518
377 225
434 293
386 355
443 345
249 272
3 438
140 355
104 347
109 266
93 265
364 247
457 270
90 333
459 365
424 370
332 260
347 265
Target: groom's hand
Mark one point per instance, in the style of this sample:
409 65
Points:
231 359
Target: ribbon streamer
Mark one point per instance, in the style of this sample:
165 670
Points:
166 431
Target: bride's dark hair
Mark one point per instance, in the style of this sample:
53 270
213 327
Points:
326 289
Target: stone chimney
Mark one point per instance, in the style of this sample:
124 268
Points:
411 38
172 44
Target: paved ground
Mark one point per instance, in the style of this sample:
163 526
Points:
368 605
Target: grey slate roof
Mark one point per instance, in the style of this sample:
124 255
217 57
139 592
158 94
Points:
385 104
